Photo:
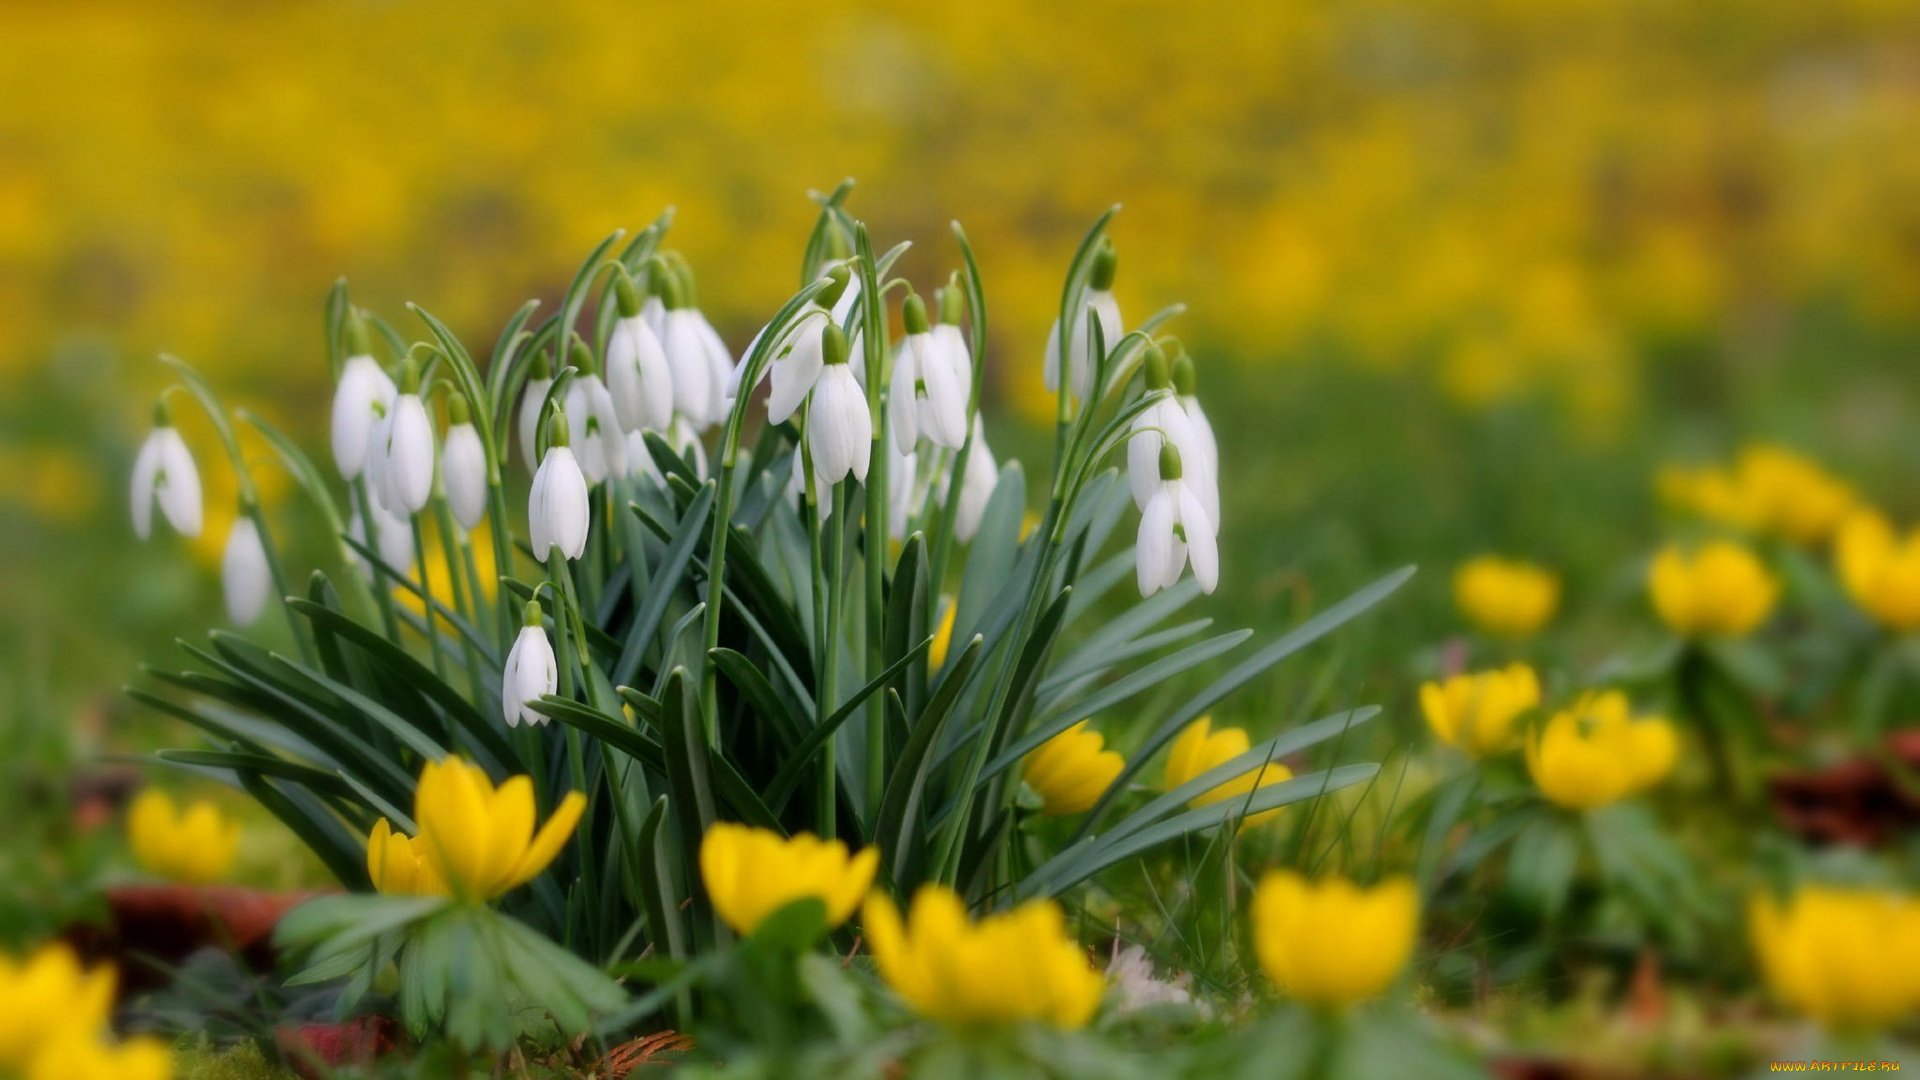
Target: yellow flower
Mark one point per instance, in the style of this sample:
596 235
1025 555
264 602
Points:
1070 771
440 585
1721 588
75 1055
398 866
1796 498
1597 753
49 997
1849 958
752 873
480 840
943 635
1014 966
1478 712
1506 597
194 848
1333 943
1709 492
1199 749
1880 569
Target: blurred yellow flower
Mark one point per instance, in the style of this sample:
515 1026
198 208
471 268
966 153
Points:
1506 597
1709 492
1849 958
752 873
1200 749
193 846
1770 489
1072 770
1597 752
397 864
943 634
1019 965
81 1056
480 840
1333 943
1479 712
1719 588
1880 569
447 590
48 995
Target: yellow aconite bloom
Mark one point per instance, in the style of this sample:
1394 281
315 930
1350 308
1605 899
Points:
1333 943
1014 966
1769 489
1720 588
1071 770
1710 492
1478 712
1199 749
1597 752
81 1056
194 847
1880 569
943 635
49 997
398 866
1506 597
752 873
1849 958
479 840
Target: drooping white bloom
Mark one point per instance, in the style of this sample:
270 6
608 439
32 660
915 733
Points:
1099 300
164 472
839 427
531 671
638 377
463 471
902 489
1206 447
976 485
244 575
950 345
365 394
527 420
692 372
403 479
1161 423
1175 531
602 444
924 401
392 538
719 367
558 510
798 358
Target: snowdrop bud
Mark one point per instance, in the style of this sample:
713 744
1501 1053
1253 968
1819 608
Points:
243 571
532 400
463 466
639 379
531 671
839 426
913 314
952 302
626 294
1105 262
364 394
558 511
405 461
164 472
602 445
976 486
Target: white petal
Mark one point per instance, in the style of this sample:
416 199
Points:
1202 548
1052 369
363 386
943 409
597 437
531 672
558 512
177 486
951 346
976 486
146 468
463 472
1153 549
795 372
902 412
408 468
687 359
531 401
639 380
719 368
244 575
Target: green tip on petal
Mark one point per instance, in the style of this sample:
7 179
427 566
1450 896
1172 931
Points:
953 302
556 428
1169 461
457 411
533 616
913 314
359 342
833 344
1105 262
542 366
626 293
683 273
581 357
838 279
1184 375
162 415
1159 374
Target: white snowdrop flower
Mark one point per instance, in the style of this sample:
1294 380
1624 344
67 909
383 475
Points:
602 443
688 351
839 426
1175 532
365 394
1206 447
949 343
164 472
392 539
1161 423
403 480
925 401
1098 299
532 400
1136 987
531 671
976 486
797 361
719 367
558 510
638 377
902 475
463 466
244 575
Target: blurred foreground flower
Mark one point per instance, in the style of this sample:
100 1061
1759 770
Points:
1720 588
752 873
1333 943
1849 958
1597 752
1880 569
476 839
1199 749
246 577
53 1023
397 864
1478 713
1769 489
1014 966
1072 770
1506 597
192 847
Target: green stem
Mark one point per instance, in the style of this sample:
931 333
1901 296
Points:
833 552
426 596
382 587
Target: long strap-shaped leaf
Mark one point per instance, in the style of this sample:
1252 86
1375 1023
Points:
800 761
896 832
646 622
